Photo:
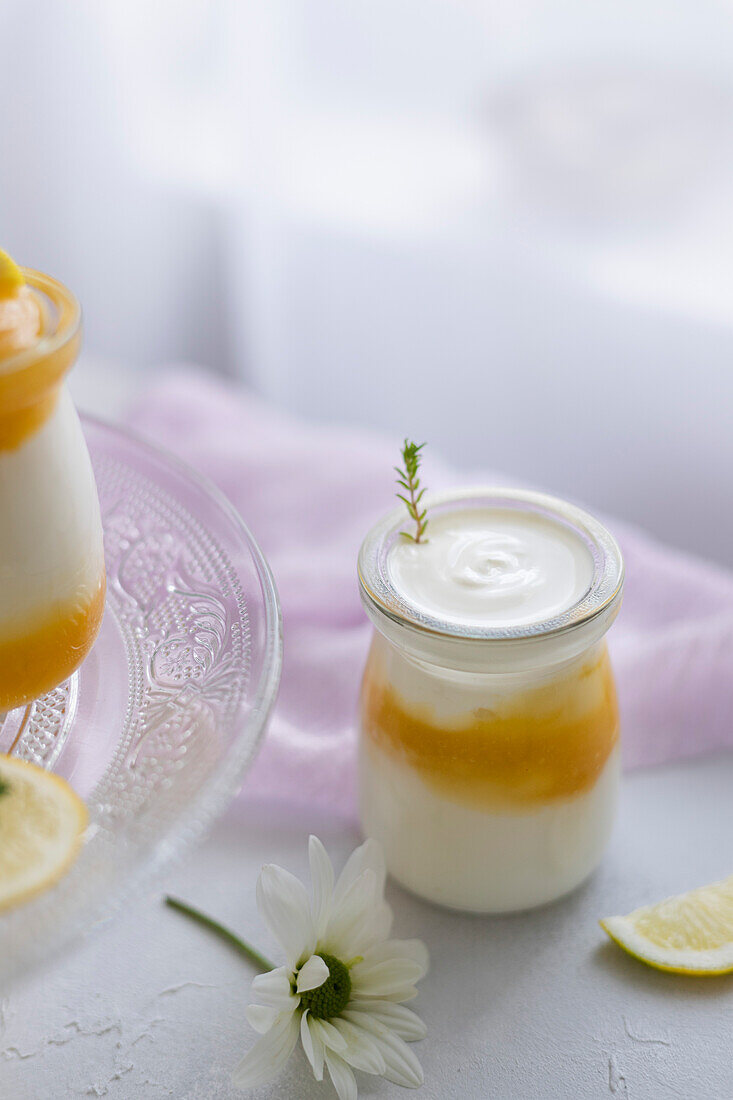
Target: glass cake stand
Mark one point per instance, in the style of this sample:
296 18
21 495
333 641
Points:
158 727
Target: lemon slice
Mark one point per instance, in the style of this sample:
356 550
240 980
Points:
11 277
41 825
688 934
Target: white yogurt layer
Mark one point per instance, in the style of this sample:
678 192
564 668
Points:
493 567
471 859
50 527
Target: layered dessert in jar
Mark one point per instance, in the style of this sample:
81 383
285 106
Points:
52 578
489 750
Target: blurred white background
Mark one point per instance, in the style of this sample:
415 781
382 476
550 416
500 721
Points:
504 227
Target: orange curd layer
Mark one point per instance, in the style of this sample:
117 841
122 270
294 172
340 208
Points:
17 426
45 651
539 746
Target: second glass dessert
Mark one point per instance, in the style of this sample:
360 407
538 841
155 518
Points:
489 758
52 577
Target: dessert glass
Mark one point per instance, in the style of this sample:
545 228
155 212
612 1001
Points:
52 577
489 758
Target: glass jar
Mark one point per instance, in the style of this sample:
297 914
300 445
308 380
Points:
52 577
489 756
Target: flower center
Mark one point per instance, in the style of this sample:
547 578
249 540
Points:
332 997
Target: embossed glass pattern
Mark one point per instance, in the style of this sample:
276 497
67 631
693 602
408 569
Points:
157 728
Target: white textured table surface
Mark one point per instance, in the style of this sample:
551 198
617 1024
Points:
533 1006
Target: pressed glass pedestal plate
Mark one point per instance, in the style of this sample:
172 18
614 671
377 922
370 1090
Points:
156 729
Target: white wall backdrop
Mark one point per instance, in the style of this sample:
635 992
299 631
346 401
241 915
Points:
504 226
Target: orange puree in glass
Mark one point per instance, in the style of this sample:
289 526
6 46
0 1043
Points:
29 380
43 651
536 747
39 342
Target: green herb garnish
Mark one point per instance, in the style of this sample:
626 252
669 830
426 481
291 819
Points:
410 482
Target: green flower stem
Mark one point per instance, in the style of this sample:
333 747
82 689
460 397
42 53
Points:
255 957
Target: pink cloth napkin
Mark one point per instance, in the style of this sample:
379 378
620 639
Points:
309 493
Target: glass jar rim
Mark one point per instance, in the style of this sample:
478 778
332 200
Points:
599 604
63 332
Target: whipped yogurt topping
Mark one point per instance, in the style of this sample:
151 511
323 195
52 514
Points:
493 567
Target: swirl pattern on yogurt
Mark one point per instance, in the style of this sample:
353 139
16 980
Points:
493 567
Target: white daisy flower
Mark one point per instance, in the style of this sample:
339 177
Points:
344 983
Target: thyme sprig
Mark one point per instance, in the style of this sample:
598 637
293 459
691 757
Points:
407 477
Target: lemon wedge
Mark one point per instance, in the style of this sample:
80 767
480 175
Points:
689 934
42 822
11 277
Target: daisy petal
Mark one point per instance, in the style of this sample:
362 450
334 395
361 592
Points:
273 988
399 1019
402 1067
312 975
284 907
406 993
399 949
375 927
381 927
328 1035
269 1054
353 917
362 1051
312 1045
322 880
261 1017
368 857
342 1077
382 979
